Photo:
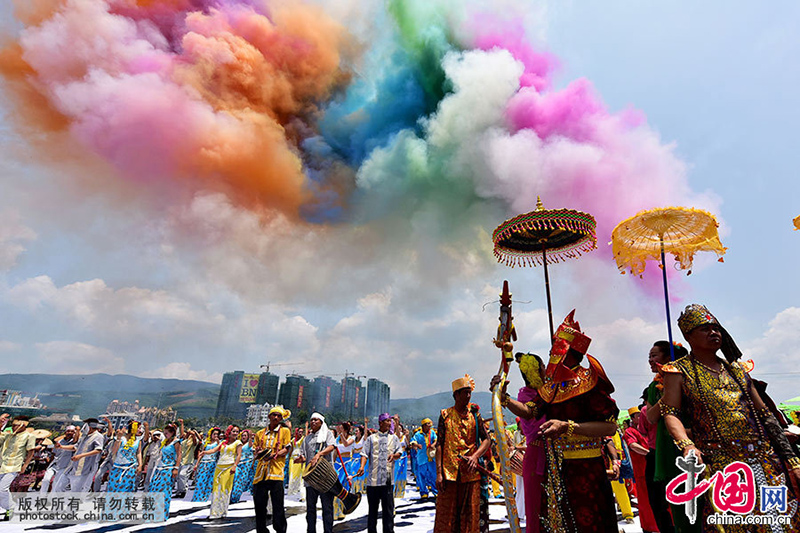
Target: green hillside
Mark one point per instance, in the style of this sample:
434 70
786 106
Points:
89 395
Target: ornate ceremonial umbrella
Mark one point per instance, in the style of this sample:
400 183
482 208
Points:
796 223
544 236
681 231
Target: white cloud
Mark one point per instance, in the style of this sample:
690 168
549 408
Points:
8 346
12 236
129 311
67 357
777 354
183 371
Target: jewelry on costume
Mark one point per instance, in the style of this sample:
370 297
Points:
571 429
794 463
683 444
667 409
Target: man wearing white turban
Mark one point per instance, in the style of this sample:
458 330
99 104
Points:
318 445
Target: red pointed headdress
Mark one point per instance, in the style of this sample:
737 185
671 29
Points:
568 335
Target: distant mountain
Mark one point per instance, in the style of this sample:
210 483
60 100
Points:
89 395
412 410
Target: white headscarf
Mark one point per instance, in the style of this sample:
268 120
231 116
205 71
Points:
322 434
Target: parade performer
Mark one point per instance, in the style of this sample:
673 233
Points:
230 453
87 456
166 471
462 440
189 442
424 443
150 456
295 466
341 462
127 458
205 466
271 446
534 463
614 451
660 461
107 456
401 463
318 446
16 452
243 481
717 400
63 448
381 449
358 450
638 446
579 412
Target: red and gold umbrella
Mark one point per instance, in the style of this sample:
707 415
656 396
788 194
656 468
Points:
544 236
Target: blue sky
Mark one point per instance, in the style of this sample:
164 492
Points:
100 281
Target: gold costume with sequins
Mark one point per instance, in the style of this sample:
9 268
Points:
725 427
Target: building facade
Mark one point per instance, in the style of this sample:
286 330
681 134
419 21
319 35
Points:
378 394
295 393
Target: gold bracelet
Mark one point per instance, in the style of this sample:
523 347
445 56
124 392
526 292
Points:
794 463
683 444
571 429
505 399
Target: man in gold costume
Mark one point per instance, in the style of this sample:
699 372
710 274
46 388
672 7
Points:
716 399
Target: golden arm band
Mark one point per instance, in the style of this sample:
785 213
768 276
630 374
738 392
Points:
670 410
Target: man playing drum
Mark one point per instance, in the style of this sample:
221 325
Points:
318 445
271 445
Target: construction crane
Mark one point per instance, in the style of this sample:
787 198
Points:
271 364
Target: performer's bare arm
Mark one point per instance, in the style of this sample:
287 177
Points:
672 398
653 413
177 466
551 429
321 454
486 442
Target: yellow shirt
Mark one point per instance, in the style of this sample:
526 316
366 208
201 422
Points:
14 448
274 440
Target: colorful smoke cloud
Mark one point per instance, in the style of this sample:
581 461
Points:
445 118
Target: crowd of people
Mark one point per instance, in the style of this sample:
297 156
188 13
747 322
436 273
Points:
577 467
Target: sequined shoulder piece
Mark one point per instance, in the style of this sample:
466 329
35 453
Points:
747 366
670 368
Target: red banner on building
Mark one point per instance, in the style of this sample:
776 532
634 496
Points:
357 391
328 397
300 397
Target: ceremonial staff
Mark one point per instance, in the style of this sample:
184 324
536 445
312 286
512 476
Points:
505 334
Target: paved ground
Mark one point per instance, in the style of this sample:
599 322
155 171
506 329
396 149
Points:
411 516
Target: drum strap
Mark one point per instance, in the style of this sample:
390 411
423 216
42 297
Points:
339 454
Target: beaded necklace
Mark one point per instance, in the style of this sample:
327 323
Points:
705 403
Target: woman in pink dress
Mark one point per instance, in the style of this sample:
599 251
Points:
533 465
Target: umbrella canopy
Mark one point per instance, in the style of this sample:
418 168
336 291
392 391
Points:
544 236
681 231
793 400
796 223
554 234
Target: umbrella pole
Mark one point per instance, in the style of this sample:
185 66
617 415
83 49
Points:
547 290
666 301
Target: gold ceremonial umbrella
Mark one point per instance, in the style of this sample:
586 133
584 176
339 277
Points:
797 223
681 231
